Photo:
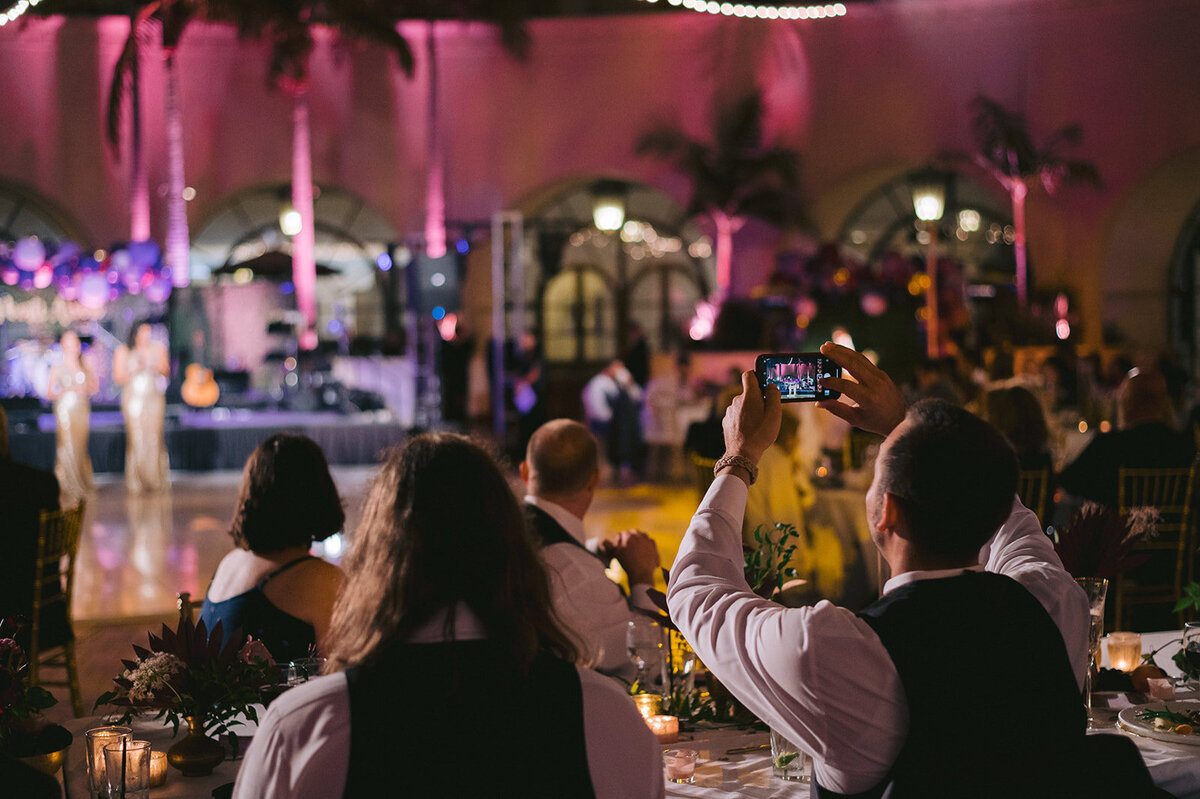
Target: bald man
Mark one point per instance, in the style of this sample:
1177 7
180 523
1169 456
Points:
1145 440
561 473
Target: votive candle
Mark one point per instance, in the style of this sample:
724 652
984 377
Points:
1124 650
158 769
665 728
648 704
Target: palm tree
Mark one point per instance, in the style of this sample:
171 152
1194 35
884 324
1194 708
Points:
1005 150
173 16
288 27
734 178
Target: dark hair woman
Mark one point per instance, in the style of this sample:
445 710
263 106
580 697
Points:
270 586
452 659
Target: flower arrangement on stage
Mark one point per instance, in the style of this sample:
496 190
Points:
92 279
23 730
189 673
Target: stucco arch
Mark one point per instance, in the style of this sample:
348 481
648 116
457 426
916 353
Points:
1136 254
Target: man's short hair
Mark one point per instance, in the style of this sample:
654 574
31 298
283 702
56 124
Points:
954 476
562 457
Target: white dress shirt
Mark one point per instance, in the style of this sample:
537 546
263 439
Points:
820 673
302 746
588 604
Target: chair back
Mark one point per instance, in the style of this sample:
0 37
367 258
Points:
1033 487
1159 580
54 585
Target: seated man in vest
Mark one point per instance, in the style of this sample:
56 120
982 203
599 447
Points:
917 692
561 472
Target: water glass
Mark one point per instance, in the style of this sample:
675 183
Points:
127 769
96 739
302 670
787 759
680 764
1096 588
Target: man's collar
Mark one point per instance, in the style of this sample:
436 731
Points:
566 520
932 574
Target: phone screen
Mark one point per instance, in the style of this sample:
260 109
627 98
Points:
795 374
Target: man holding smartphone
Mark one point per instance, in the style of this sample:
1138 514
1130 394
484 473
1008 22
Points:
910 693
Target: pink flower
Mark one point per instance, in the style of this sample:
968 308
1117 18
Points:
255 650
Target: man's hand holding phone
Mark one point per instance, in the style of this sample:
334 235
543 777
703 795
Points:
879 404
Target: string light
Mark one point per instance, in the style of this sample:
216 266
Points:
16 11
727 9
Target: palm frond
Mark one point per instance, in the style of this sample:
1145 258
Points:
117 89
738 129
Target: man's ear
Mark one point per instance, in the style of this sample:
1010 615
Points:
524 470
594 481
892 518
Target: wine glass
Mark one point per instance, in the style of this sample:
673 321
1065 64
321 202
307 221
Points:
1191 653
644 642
1095 588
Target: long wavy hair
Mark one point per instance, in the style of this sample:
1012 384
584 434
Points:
442 526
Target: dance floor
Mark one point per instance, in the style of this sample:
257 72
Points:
138 553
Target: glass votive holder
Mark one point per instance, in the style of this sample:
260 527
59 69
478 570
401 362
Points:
648 704
95 740
1161 688
665 728
680 764
158 769
127 769
1124 650
304 669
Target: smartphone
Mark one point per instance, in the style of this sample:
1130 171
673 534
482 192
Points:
795 374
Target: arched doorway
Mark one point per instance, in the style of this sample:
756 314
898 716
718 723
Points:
248 228
883 238
590 288
1183 299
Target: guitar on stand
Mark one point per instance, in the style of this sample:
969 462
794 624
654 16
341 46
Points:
199 389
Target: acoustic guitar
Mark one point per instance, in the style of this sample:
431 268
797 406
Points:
199 388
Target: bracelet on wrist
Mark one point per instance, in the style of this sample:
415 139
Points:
740 461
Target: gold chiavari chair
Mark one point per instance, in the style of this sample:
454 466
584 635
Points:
1160 579
1034 487
54 583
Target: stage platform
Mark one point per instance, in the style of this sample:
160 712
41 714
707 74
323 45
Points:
221 438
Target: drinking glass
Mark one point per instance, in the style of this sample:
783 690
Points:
127 769
1095 588
302 670
644 641
680 764
1191 653
787 759
97 738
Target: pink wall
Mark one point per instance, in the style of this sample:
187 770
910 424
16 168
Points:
863 97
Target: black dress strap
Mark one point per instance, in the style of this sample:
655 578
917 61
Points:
259 585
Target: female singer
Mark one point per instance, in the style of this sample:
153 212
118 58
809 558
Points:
139 368
71 385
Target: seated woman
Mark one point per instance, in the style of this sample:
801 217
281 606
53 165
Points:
453 678
270 586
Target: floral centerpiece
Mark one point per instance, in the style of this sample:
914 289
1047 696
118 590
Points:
24 732
1099 542
191 675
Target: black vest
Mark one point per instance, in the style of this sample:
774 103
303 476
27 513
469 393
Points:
546 531
450 719
993 706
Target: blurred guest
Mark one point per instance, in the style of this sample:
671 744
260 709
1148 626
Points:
705 437
458 679
667 395
24 493
1144 439
611 401
1017 414
636 355
529 386
71 385
140 368
935 380
561 472
270 586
